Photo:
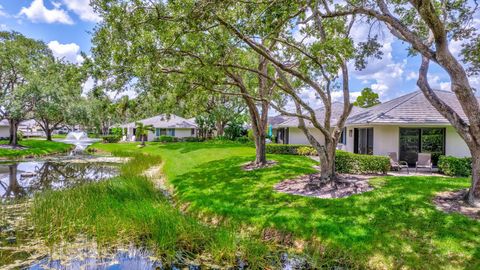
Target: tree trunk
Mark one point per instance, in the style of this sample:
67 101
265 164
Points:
326 154
220 128
473 196
260 150
13 132
48 132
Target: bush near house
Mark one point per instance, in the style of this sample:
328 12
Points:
346 162
166 138
111 138
454 166
285 149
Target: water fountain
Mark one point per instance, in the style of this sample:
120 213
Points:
79 139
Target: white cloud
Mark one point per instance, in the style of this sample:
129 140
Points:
69 51
3 13
3 27
37 12
83 9
88 86
412 75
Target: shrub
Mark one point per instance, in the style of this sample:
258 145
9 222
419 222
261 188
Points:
453 166
285 149
346 162
20 135
242 139
166 138
192 139
306 151
111 138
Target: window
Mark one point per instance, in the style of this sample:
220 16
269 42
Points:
160 132
193 132
343 137
171 132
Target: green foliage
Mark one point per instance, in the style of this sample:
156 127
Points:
234 129
285 149
192 139
250 135
306 151
34 148
111 138
117 131
346 162
367 98
166 138
454 166
243 139
20 135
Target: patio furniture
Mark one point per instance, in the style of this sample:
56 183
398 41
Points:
424 161
396 164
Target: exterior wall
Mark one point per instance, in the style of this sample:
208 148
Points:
183 132
296 136
454 144
4 132
385 139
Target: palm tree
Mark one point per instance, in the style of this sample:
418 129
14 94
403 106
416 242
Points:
142 131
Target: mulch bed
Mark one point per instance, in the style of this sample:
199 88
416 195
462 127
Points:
307 185
453 202
251 166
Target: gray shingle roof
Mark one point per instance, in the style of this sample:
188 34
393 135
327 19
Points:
412 108
337 109
165 121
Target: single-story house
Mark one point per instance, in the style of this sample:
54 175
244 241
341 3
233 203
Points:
170 125
4 129
406 125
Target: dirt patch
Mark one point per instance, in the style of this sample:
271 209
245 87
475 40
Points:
251 166
307 185
453 202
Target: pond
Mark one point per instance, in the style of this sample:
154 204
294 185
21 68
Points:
23 179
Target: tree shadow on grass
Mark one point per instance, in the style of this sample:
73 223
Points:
393 226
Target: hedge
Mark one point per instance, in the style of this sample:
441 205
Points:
166 138
111 138
285 149
345 162
454 166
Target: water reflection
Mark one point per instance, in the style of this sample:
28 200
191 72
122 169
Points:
24 178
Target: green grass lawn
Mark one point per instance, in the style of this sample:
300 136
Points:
34 147
393 226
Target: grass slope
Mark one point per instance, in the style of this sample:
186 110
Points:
34 148
393 226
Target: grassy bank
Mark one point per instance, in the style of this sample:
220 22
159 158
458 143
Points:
34 148
394 226
129 208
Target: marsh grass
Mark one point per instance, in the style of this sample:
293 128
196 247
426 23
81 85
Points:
129 209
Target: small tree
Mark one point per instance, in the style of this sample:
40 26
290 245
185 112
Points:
367 98
142 131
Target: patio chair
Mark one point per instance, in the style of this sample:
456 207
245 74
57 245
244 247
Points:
398 165
424 161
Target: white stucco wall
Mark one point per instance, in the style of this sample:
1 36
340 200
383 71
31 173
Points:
296 136
454 144
4 132
385 139
183 132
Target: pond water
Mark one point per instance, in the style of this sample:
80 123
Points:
22 179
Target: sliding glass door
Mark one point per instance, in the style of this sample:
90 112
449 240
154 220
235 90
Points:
421 140
363 141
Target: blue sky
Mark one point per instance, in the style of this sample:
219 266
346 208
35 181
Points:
65 25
